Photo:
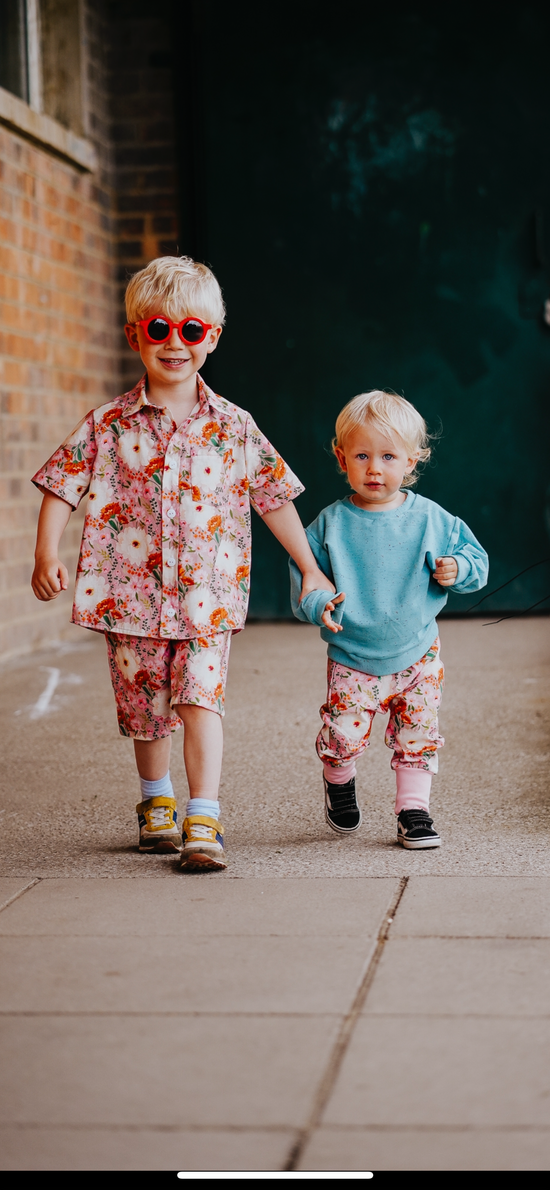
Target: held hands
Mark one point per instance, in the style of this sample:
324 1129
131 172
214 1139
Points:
50 577
446 571
315 580
326 616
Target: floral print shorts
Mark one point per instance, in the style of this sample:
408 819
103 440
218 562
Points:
150 677
411 698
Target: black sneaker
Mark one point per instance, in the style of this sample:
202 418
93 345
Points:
415 830
341 810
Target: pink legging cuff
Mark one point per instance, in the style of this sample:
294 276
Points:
413 789
340 774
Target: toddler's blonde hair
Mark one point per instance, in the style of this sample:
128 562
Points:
176 286
393 416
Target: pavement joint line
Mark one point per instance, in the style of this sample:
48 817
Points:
344 1037
15 897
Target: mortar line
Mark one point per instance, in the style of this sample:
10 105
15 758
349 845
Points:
343 1039
10 900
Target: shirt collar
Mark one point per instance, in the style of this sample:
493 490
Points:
138 398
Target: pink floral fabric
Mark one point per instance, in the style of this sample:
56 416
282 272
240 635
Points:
150 677
411 698
166 542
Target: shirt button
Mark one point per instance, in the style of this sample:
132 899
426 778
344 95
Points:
171 514
171 561
171 611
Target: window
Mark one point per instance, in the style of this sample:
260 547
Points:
40 57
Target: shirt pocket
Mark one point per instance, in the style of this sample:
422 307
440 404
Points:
207 477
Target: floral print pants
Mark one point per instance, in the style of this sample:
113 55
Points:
412 699
152 676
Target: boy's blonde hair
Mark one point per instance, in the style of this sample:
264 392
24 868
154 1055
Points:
393 416
176 286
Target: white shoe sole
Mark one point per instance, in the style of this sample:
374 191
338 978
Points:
342 830
418 844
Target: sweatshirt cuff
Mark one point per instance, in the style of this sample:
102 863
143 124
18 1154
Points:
464 568
315 603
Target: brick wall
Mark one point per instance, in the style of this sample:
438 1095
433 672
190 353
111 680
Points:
146 204
68 242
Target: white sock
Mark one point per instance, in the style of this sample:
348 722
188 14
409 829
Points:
203 805
162 788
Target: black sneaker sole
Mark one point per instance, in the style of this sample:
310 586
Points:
418 844
342 830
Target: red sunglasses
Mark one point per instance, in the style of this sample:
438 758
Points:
159 329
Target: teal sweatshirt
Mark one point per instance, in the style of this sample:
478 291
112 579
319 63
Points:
383 561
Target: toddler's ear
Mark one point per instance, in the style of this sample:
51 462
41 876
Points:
131 335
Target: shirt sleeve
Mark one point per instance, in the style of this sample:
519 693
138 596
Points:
311 609
470 557
271 482
68 472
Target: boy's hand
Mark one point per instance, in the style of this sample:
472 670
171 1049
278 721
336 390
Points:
326 616
446 571
315 580
50 577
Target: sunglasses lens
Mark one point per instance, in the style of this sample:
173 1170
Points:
192 331
158 329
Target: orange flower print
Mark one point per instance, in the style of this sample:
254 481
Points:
213 524
72 467
107 606
217 616
203 642
154 465
195 492
242 572
108 418
209 430
218 692
280 468
110 510
154 561
243 486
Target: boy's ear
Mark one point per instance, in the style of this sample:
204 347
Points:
411 463
341 457
131 335
214 338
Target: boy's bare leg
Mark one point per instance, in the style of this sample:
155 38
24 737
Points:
152 758
202 750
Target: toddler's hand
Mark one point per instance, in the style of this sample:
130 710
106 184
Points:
49 578
446 571
326 616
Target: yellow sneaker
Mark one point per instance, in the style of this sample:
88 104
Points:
158 829
202 839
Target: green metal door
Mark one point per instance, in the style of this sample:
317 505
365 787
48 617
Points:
372 187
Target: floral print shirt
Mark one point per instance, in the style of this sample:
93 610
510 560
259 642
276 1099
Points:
166 543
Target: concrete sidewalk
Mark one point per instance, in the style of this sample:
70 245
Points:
325 1003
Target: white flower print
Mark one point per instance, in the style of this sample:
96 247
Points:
196 514
199 605
101 493
133 544
206 472
353 726
228 557
89 591
161 704
203 667
136 449
127 661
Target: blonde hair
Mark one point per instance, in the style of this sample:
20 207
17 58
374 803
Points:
393 416
176 286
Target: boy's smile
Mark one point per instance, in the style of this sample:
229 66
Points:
375 466
172 367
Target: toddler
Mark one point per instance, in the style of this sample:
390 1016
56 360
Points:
171 470
391 554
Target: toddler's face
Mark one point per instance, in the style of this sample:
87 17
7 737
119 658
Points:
375 466
173 361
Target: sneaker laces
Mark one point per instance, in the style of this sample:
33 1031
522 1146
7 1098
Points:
199 830
160 816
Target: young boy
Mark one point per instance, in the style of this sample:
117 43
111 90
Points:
391 552
164 566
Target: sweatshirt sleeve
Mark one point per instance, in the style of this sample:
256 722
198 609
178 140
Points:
312 607
470 557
